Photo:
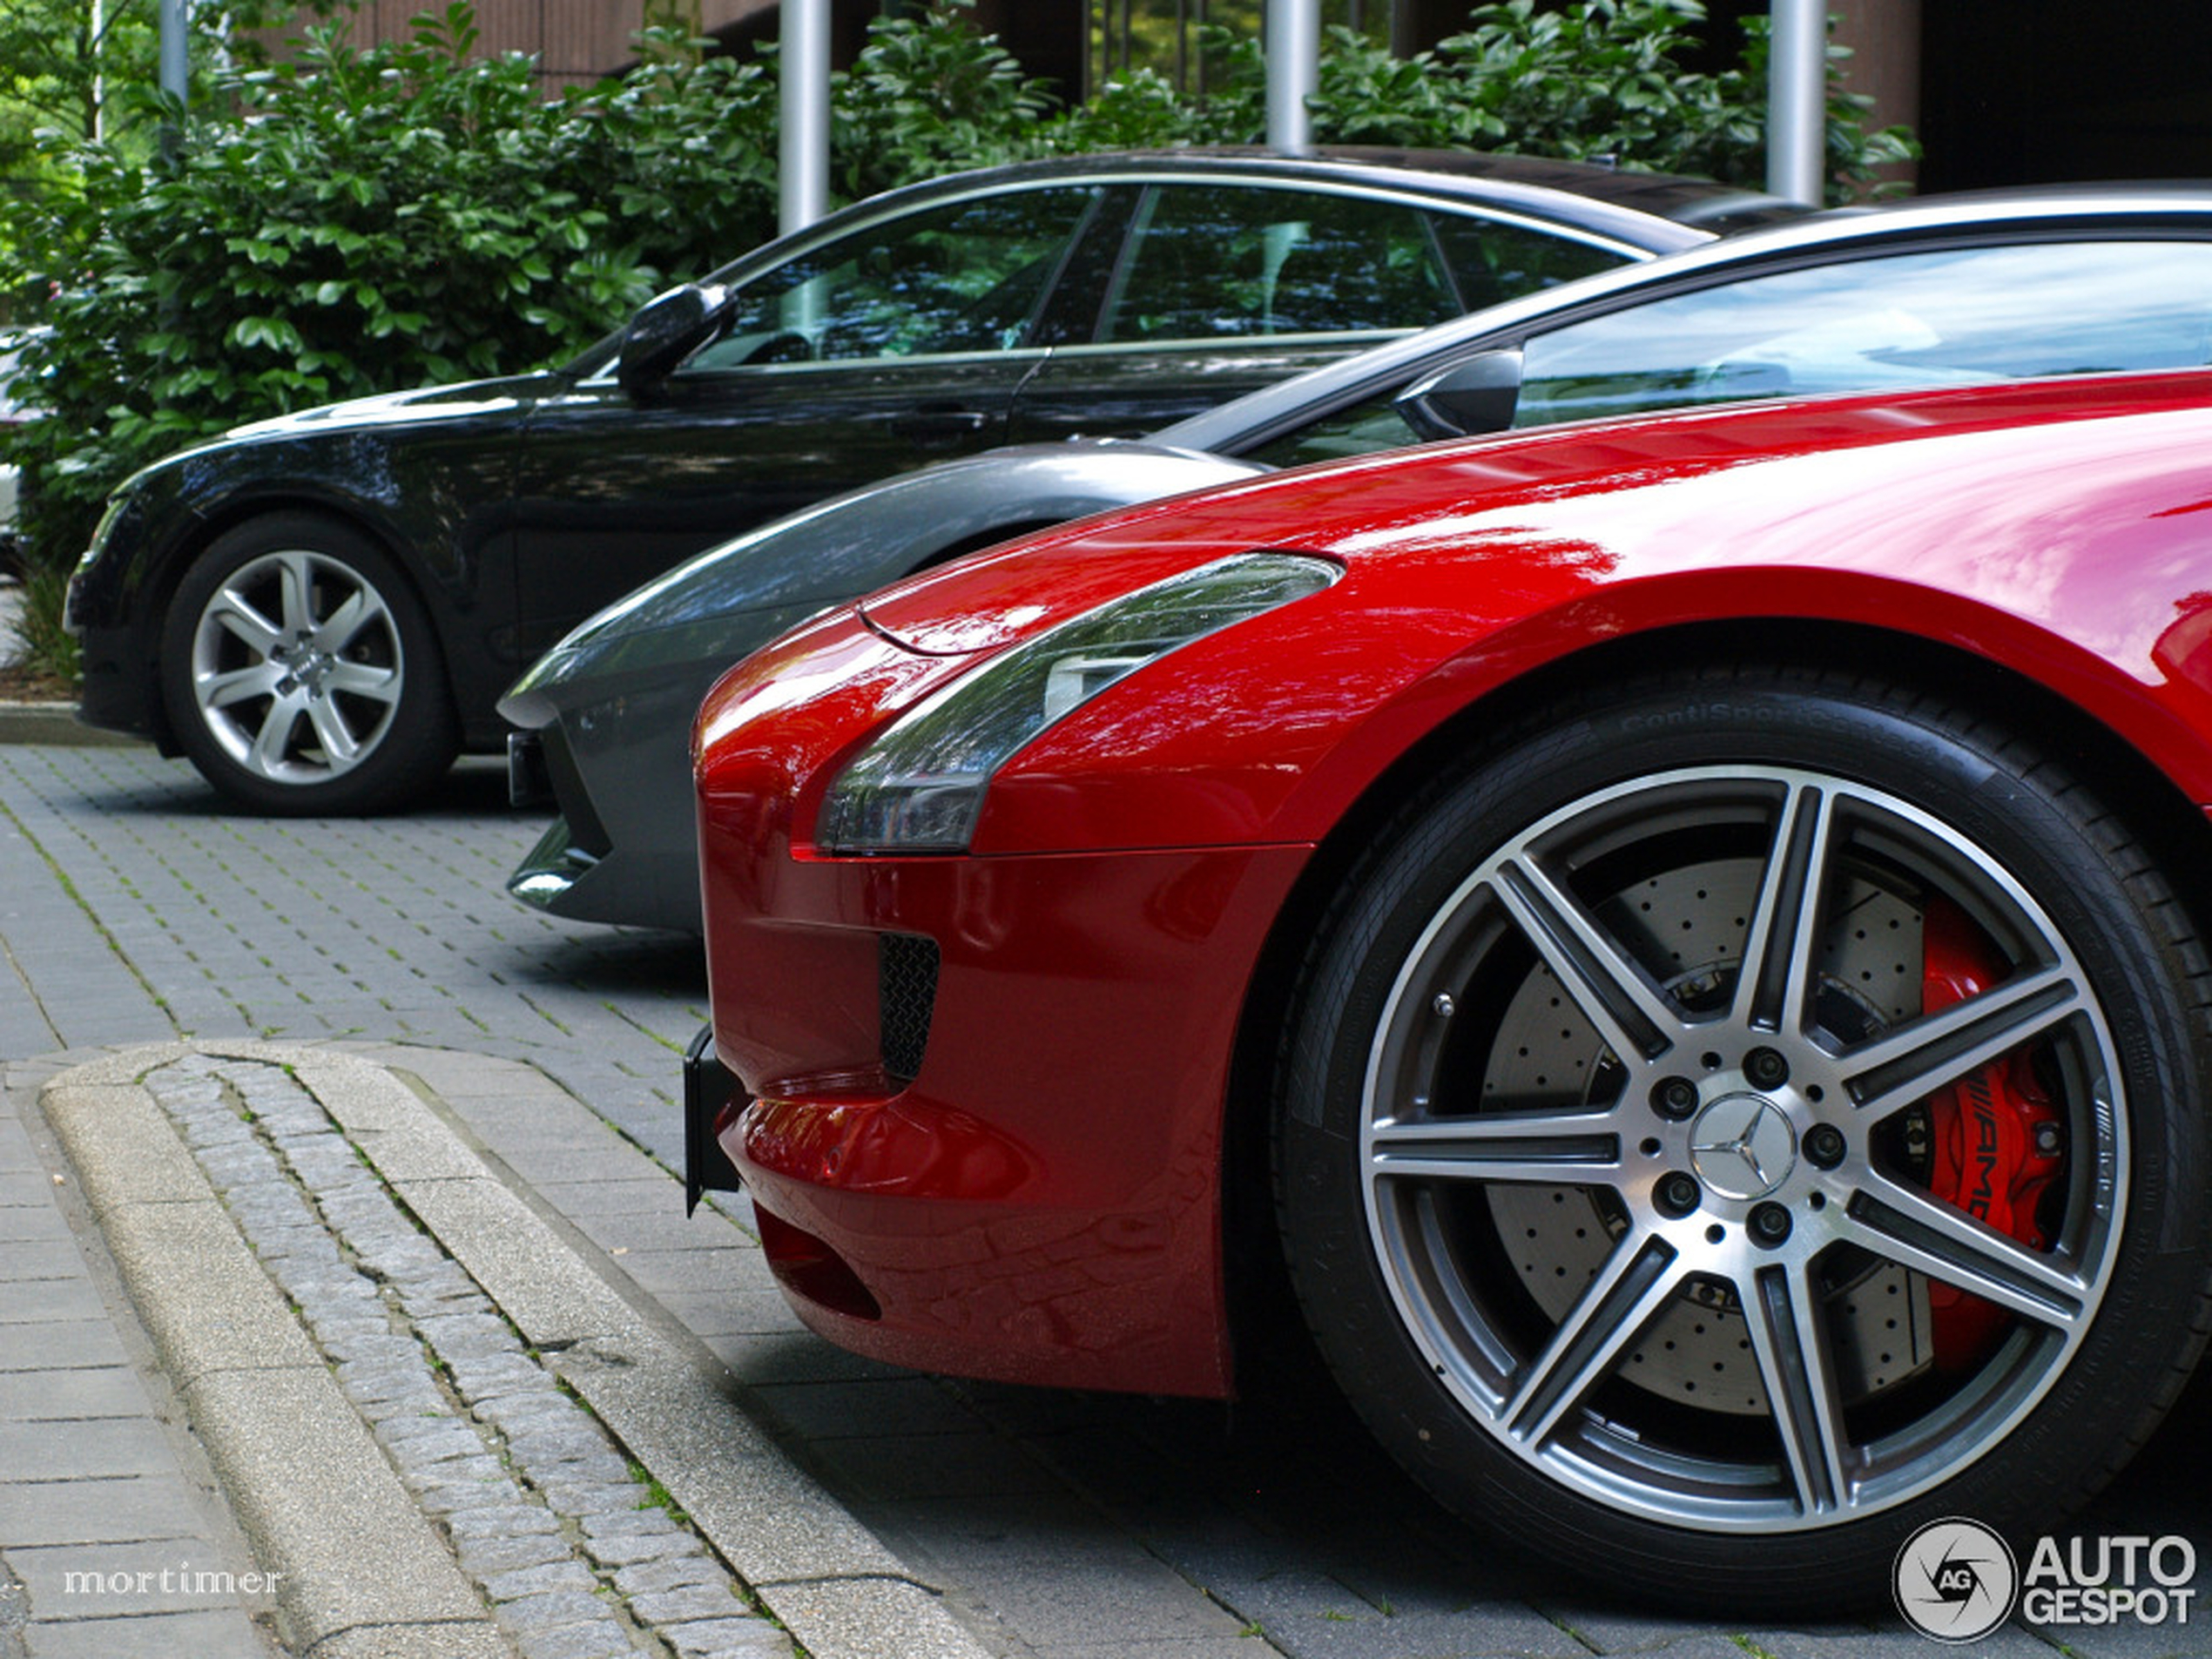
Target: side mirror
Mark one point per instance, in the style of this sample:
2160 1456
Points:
668 328
1475 394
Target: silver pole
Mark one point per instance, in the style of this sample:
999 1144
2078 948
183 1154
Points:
802 93
175 75
1797 101
1293 70
99 78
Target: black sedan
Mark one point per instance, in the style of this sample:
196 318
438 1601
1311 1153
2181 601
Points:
318 610
1927 292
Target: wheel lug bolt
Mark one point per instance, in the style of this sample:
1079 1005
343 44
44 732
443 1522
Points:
1676 1195
1674 1098
1769 1224
1824 1145
1765 1068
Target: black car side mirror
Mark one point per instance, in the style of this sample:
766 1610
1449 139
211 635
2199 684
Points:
668 328
1475 394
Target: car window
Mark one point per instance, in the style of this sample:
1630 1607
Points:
1953 317
964 277
1491 261
1222 261
1360 429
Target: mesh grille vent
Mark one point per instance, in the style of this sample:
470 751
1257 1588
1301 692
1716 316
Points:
906 971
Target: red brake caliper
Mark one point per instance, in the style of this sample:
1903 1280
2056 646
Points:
1994 1136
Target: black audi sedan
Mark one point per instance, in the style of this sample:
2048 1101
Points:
320 610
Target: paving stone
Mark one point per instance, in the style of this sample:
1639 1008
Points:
451 1497
628 1551
605 1640
64 1396
31 1452
690 1602
506 1520
669 1573
594 1467
540 1578
88 1512
364 1338
513 1410
376 1376
637 1519
480 1556
428 1437
57 1344
487 1376
543 1445
551 1610
726 1639
448 1459
459 1337
215 1634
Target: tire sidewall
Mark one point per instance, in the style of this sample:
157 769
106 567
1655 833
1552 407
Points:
2067 856
417 745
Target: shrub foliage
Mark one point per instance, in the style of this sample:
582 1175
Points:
351 221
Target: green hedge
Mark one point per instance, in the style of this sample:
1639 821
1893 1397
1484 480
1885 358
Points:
357 221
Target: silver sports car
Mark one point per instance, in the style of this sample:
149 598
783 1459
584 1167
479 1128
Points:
1990 287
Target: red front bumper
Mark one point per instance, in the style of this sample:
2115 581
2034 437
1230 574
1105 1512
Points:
1042 1202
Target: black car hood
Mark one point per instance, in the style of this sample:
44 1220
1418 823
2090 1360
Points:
507 396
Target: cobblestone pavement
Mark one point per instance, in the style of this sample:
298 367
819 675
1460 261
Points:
1069 1526
546 1514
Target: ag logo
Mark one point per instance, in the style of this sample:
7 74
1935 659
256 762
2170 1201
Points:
1955 1581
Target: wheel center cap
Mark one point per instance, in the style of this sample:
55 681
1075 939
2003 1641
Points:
1742 1147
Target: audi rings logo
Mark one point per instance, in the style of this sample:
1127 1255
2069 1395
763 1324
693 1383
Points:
1955 1581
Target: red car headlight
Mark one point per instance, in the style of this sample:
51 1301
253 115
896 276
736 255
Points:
920 785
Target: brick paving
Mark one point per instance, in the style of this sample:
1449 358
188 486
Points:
546 1514
133 910
94 1479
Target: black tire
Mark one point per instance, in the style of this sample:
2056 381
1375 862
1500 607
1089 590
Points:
282 714
1545 1320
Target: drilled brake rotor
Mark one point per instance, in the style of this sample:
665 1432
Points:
1688 926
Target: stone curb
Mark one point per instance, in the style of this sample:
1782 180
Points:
823 1576
56 724
316 1497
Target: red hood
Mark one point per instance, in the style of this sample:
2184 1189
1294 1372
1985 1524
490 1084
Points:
1610 484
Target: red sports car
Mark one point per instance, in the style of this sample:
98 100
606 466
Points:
1683 935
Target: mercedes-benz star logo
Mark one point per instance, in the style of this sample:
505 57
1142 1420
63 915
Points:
1742 1147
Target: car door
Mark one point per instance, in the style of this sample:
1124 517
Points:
896 344
1224 285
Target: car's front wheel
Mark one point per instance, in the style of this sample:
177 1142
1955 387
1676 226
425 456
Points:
1764 1106
300 673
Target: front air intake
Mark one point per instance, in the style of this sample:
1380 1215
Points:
905 974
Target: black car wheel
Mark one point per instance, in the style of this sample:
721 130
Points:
1761 1106
300 673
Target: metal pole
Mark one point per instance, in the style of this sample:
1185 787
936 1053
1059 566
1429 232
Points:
1293 70
1796 131
802 92
176 15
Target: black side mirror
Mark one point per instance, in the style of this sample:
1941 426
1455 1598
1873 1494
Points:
1475 394
668 328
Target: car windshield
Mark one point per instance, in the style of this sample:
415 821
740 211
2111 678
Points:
1922 318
